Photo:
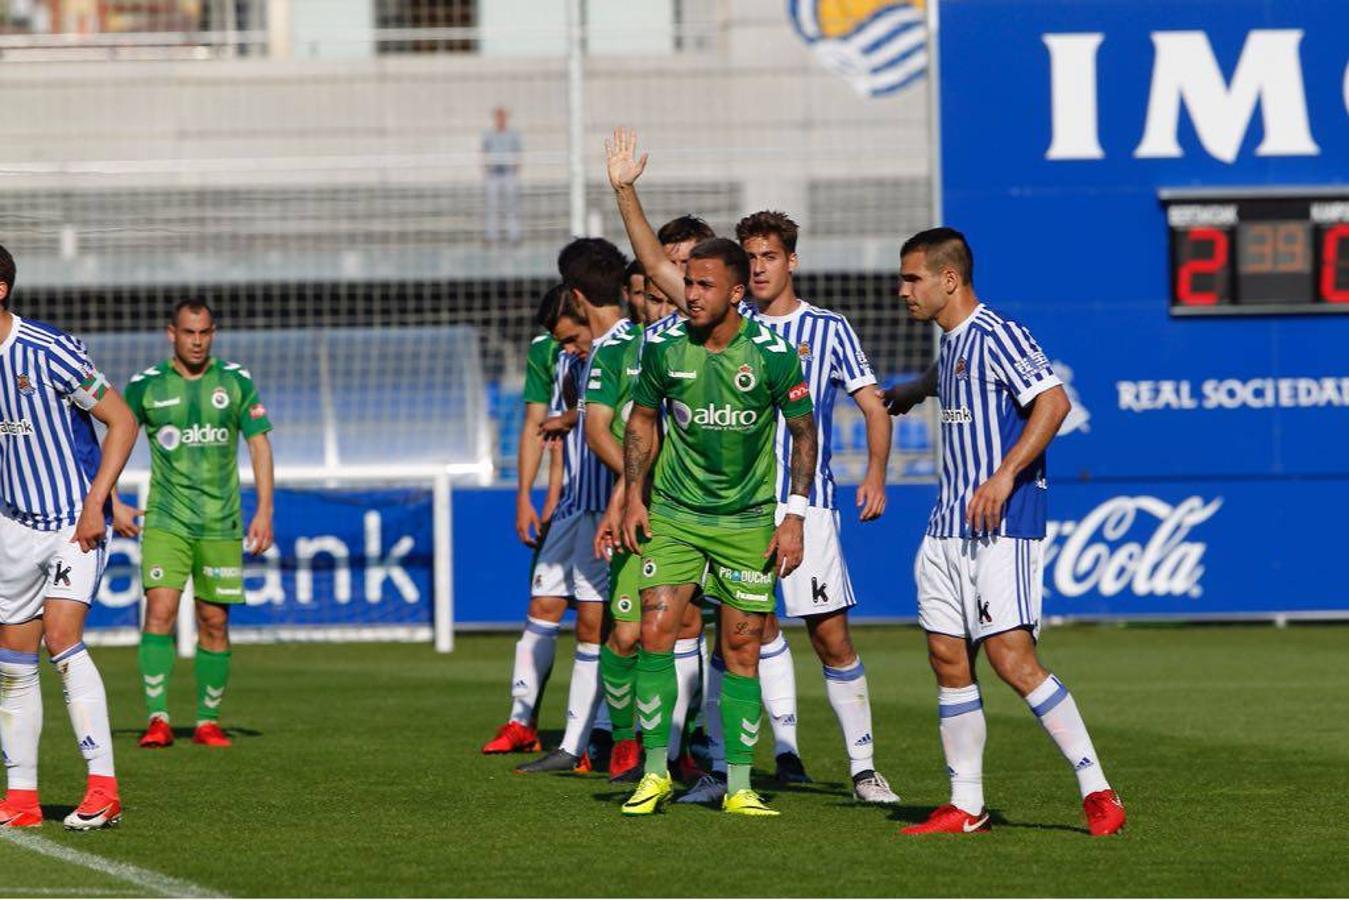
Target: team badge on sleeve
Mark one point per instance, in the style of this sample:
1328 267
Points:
257 411
797 392
1029 365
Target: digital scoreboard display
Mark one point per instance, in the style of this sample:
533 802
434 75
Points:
1265 251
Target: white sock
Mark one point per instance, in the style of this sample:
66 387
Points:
963 733
20 717
705 651
688 656
716 744
88 706
533 661
583 698
846 688
1057 712
777 681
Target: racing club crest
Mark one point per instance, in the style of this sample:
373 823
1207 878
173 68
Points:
744 379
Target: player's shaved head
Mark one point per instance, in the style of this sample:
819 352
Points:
7 275
192 305
684 228
596 268
731 254
945 248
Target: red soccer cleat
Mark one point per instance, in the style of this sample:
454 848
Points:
686 770
627 755
209 733
1105 812
950 819
20 809
100 808
159 734
583 765
514 738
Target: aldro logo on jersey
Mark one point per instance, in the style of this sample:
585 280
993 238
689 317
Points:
712 416
198 435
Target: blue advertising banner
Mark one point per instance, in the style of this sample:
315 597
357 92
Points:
342 558
1063 124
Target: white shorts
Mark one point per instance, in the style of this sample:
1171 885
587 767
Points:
565 565
976 588
821 583
35 565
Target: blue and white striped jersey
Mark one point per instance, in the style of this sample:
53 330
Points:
590 482
831 358
49 453
988 370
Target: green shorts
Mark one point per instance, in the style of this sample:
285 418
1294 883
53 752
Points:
624 599
732 555
215 566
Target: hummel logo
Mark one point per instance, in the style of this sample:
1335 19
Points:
1083 763
153 691
648 724
749 732
153 680
650 706
161 404
619 696
687 376
213 697
88 743
976 825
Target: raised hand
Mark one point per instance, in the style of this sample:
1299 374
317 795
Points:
620 154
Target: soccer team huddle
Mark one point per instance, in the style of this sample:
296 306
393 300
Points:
687 398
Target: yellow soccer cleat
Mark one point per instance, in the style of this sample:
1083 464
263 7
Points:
745 802
651 794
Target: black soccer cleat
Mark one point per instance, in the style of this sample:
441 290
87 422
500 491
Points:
558 760
791 770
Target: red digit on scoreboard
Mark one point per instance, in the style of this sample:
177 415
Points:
1215 262
1336 237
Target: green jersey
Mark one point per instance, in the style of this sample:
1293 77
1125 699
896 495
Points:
539 366
614 367
194 427
718 460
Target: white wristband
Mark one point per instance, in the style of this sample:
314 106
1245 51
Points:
797 504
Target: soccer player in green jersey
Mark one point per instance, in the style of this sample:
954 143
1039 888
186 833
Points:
723 379
194 407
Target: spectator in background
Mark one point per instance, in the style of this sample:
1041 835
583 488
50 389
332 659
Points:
501 148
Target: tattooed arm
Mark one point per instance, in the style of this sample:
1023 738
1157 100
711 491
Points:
640 443
789 538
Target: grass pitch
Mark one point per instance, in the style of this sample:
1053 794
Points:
356 771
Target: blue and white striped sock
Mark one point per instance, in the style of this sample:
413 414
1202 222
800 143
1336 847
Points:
20 717
534 654
1057 712
846 687
963 733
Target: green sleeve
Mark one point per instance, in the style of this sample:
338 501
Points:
134 395
606 370
253 419
539 365
650 388
790 392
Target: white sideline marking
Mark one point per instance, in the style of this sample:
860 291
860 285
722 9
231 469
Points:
141 878
69 891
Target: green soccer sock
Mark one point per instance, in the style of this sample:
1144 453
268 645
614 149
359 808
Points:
213 673
741 711
657 690
156 661
619 676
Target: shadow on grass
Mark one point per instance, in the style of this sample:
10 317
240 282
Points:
185 732
909 815
56 811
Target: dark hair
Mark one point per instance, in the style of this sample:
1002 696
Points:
685 228
7 275
767 222
945 248
594 267
729 252
634 268
193 304
550 306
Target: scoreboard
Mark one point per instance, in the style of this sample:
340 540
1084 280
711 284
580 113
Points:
1259 251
